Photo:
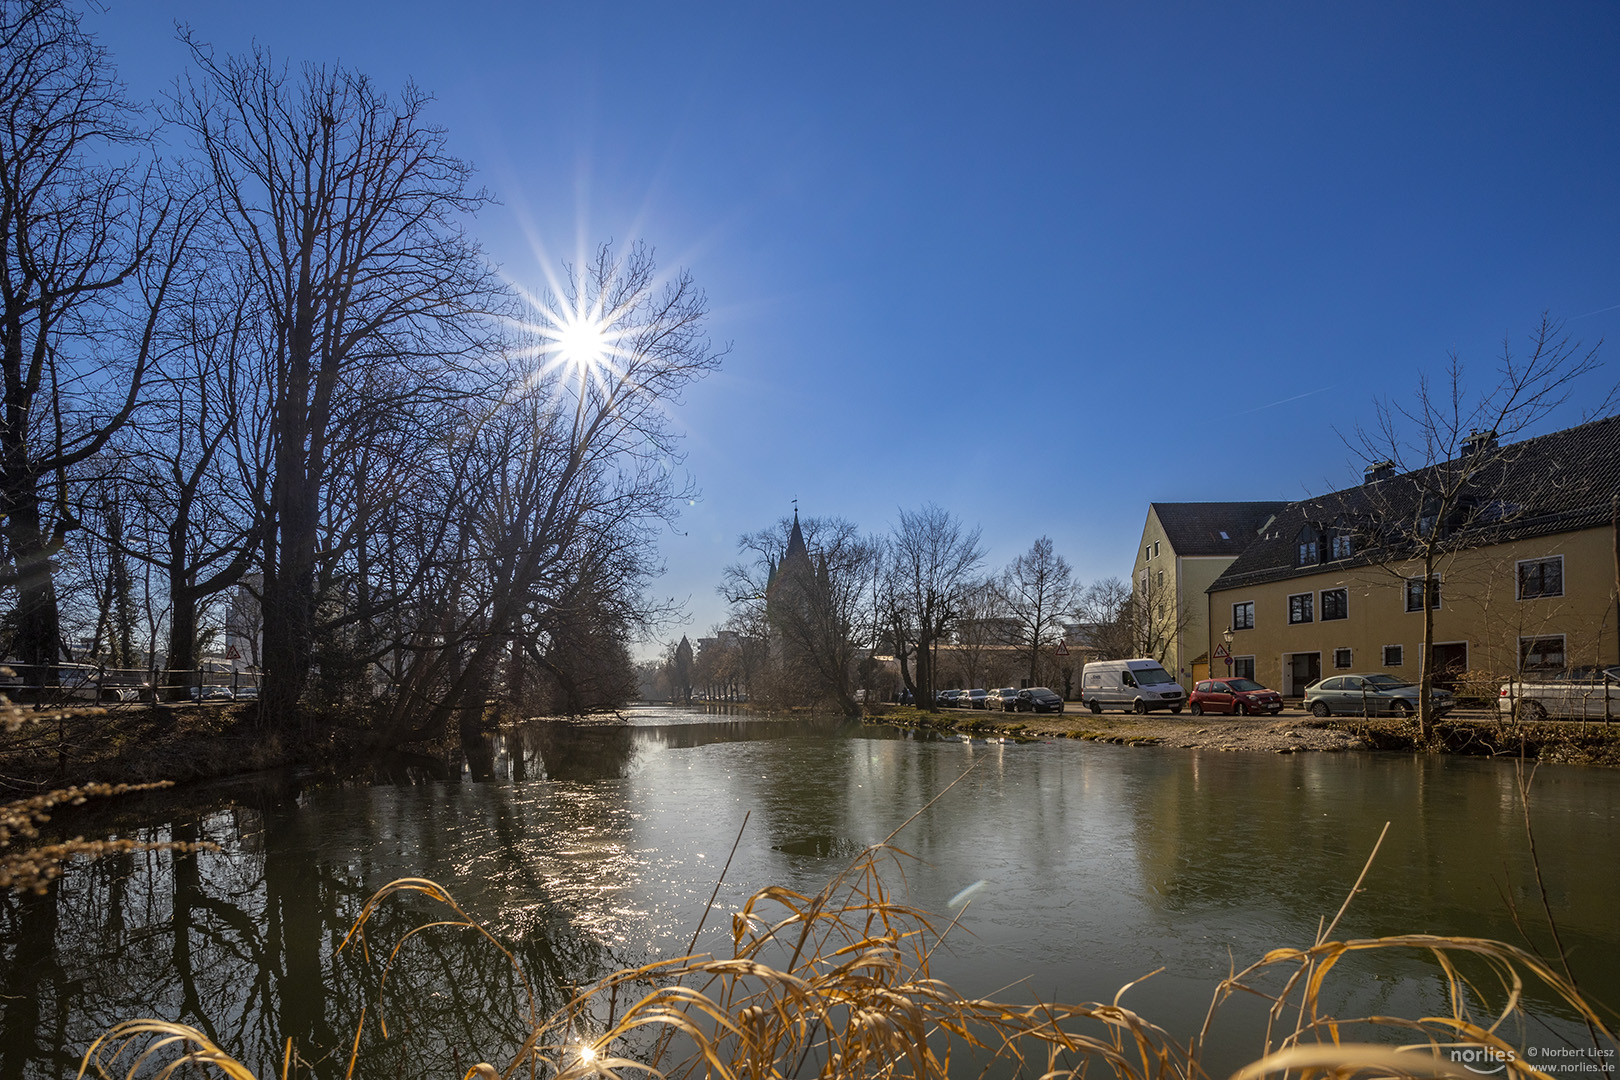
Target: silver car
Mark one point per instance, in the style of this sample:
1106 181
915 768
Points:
1371 695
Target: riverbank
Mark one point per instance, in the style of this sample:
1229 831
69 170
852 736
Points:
142 744
182 743
1474 734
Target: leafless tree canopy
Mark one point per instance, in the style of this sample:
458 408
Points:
1039 592
932 557
275 387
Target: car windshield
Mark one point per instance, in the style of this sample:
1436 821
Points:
1042 692
1386 682
1151 676
1244 686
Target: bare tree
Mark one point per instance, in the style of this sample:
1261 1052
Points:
1448 445
89 248
1039 591
345 208
981 632
568 476
931 559
1104 611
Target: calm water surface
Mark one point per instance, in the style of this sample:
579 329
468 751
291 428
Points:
599 845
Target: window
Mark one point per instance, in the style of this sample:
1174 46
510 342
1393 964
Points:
1147 552
1414 593
1335 604
1394 655
1155 549
1341 657
1541 577
1242 667
1243 615
1341 545
1542 653
1307 547
1300 607
1161 579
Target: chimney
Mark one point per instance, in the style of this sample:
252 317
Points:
1378 470
1478 442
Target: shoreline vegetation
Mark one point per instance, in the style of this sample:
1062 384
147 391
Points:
1474 734
186 743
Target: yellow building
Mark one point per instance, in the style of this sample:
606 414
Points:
1525 571
1184 548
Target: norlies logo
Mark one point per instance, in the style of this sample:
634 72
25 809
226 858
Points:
1481 1059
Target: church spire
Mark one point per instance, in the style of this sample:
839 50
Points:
795 539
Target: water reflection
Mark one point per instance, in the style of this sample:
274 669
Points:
596 846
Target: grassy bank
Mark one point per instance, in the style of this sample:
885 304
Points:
1564 742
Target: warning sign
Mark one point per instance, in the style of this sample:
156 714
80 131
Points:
1222 652
233 653
1061 650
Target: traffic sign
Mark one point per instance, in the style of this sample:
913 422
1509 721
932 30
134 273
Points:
1061 650
1222 652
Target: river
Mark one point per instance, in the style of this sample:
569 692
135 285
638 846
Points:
1075 867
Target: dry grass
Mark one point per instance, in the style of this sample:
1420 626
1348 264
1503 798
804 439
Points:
838 985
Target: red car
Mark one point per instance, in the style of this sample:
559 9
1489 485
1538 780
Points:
1242 696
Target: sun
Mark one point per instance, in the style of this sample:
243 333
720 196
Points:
580 342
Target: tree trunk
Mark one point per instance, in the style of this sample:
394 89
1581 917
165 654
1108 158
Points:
39 633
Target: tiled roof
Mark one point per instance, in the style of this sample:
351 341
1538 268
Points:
1551 484
1213 528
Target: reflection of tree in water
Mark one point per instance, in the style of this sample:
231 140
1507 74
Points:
242 944
577 751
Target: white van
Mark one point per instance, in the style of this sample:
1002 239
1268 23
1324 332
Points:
1138 685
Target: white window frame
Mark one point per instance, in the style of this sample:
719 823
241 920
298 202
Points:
1543 637
1349 658
1309 608
1249 625
1518 578
1322 615
1400 656
1406 596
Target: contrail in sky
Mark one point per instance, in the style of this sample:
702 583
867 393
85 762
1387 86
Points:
1296 397
1599 311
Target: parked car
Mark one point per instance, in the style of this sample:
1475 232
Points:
972 699
1587 693
947 699
1140 685
1038 699
1371 695
1005 699
1243 697
211 693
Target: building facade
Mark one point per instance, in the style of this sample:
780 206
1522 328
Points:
1184 548
1524 572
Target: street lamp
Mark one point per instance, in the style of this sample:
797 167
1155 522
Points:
1228 635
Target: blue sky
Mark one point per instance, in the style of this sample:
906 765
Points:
1039 263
